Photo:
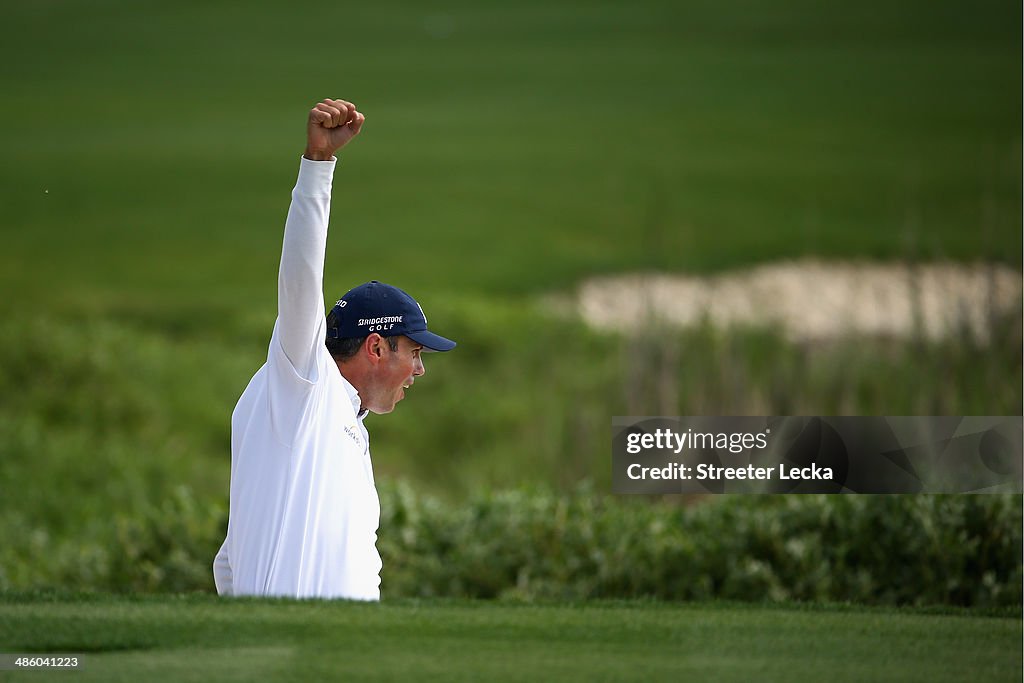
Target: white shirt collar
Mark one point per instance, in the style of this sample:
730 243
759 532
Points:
353 396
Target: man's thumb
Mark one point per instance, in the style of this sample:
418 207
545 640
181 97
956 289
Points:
357 123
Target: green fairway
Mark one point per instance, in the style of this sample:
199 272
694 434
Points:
149 148
202 638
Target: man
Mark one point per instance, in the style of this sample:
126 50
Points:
303 508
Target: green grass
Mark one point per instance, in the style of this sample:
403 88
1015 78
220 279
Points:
149 148
203 638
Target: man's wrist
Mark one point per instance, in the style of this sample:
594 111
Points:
318 155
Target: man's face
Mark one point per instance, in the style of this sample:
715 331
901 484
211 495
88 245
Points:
395 373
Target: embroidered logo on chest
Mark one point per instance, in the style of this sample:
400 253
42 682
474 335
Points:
353 433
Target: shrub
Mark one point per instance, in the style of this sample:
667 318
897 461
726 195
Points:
954 550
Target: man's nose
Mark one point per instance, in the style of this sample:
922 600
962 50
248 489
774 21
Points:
418 368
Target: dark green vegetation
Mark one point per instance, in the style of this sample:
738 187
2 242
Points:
510 151
894 550
199 638
888 550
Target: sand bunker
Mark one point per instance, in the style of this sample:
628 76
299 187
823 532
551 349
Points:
814 300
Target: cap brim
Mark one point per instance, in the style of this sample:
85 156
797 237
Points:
434 342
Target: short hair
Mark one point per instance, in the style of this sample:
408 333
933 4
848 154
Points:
346 347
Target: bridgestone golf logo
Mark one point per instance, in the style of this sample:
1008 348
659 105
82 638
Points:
380 324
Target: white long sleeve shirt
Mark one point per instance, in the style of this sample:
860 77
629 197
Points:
304 510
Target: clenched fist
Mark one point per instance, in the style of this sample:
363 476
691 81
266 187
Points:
332 124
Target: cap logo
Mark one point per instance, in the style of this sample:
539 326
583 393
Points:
380 321
341 303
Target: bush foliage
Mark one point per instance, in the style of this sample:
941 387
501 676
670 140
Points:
955 550
536 544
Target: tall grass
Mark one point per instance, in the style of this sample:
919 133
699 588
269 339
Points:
114 431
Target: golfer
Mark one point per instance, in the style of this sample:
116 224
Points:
303 508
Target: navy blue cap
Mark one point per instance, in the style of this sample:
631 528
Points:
386 310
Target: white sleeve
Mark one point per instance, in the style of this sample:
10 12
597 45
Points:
222 577
300 325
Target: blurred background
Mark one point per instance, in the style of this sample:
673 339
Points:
512 154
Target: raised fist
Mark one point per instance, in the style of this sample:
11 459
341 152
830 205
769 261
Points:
332 123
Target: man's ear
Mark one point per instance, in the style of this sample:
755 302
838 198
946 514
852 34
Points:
373 347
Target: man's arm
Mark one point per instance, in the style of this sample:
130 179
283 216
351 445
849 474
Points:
300 307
